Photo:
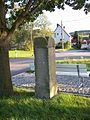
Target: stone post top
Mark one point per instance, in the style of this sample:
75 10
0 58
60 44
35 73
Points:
41 42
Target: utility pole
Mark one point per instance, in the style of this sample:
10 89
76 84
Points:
78 40
62 35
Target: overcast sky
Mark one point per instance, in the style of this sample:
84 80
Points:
73 20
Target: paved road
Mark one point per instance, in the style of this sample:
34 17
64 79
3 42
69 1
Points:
73 54
21 65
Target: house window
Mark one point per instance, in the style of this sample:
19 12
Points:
57 33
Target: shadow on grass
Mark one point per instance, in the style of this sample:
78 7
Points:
24 106
23 93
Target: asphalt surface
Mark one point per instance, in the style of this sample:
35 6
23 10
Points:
73 54
19 65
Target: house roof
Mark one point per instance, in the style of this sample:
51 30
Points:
81 31
62 29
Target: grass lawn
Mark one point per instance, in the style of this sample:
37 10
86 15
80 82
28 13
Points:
24 106
20 54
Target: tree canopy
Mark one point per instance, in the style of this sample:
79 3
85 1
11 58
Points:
16 12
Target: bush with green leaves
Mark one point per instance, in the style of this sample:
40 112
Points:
67 45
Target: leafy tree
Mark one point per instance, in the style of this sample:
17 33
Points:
16 12
89 37
24 35
43 24
19 38
76 37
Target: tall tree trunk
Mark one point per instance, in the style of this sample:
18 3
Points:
5 75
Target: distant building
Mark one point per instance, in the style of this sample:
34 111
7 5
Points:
60 34
84 38
81 32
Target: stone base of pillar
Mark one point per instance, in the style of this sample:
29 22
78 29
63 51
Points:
45 92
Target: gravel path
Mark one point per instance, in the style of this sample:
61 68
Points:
65 83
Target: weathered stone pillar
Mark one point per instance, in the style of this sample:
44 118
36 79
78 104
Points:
45 68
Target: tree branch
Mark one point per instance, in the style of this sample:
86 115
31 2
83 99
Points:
21 18
29 8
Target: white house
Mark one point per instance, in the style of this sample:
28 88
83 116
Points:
60 34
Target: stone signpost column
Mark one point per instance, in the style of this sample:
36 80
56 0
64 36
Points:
45 68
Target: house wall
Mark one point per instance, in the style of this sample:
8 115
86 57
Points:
57 35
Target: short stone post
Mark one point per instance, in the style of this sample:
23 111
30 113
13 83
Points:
45 68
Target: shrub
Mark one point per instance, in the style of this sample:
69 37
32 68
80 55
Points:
67 45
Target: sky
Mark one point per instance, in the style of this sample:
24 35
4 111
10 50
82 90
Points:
73 20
